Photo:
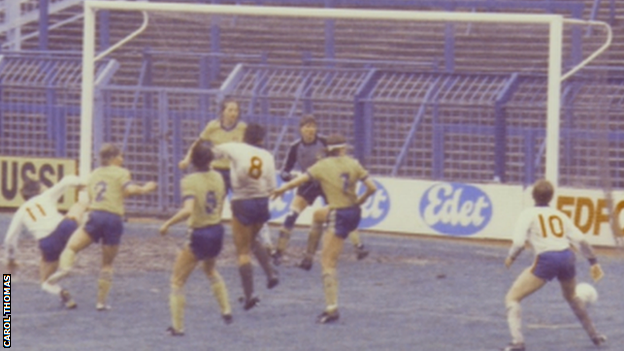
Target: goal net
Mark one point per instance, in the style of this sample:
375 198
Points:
464 96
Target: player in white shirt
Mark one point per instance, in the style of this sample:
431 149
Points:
253 179
551 233
39 215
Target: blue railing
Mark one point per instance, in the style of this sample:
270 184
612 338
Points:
573 9
398 120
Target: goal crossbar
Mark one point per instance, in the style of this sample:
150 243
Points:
555 23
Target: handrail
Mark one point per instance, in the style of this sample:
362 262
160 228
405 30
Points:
53 26
434 64
34 15
126 39
598 51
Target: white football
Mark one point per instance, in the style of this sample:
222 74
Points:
587 293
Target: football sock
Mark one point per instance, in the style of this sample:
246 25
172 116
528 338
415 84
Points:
330 287
354 236
265 236
66 261
53 289
263 259
177 300
291 218
314 237
246 273
283 239
514 320
219 290
104 284
578 307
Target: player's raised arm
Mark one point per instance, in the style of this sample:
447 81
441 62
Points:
69 181
186 161
182 214
204 135
302 178
135 189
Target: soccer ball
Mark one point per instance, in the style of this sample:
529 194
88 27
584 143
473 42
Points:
587 293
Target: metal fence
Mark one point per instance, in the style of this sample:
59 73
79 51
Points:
403 123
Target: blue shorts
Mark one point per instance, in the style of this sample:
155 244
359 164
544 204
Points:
52 245
225 173
105 226
206 242
310 190
251 211
551 264
343 221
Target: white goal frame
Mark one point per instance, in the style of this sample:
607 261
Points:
555 23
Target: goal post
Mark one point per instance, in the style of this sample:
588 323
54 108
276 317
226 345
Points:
553 21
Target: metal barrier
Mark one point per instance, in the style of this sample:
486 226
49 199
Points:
39 102
429 125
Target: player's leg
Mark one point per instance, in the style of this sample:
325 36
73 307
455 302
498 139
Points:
332 247
263 257
51 248
46 269
78 241
314 237
243 237
105 279
182 268
219 290
77 211
111 228
568 289
265 239
297 206
526 284
360 250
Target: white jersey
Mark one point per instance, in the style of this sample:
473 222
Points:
252 170
546 229
39 215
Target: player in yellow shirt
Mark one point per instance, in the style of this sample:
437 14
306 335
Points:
203 193
338 175
107 187
230 129
303 153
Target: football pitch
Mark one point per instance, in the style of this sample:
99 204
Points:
411 293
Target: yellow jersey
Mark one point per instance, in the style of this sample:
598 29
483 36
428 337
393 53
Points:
338 176
208 190
106 189
217 134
